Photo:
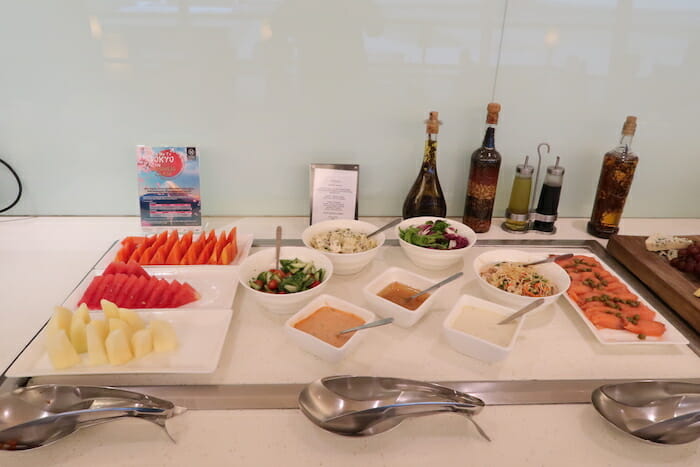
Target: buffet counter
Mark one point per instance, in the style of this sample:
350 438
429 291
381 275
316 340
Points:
42 260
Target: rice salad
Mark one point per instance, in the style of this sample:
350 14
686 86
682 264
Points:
342 241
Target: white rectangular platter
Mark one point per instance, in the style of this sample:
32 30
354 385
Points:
201 335
216 285
243 241
617 336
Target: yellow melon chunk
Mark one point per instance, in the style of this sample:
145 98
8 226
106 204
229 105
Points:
117 346
110 309
101 326
60 320
142 342
97 354
82 313
116 323
164 337
77 335
61 352
132 318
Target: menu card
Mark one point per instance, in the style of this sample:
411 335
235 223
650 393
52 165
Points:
334 189
168 186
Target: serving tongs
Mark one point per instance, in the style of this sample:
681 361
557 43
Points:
367 405
656 411
35 416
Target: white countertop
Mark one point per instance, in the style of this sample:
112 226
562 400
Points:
41 259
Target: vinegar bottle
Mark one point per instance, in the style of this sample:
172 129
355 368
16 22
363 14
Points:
425 197
614 184
483 177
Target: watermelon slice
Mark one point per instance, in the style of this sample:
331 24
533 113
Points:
114 267
157 295
150 288
185 295
140 291
89 294
133 268
123 293
115 285
94 303
167 299
135 288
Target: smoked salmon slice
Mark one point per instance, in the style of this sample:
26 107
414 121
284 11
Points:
606 301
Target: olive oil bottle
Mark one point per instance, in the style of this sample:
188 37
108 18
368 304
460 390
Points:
616 174
425 197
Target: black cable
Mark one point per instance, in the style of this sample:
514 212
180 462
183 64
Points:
19 187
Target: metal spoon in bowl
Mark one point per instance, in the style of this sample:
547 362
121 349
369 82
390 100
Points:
522 311
550 259
278 244
373 324
382 229
436 286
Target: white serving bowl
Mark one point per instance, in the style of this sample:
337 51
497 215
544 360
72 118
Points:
429 258
265 259
317 346
346 263
552 271
388 309
474 346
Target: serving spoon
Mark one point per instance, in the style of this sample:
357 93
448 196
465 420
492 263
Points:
278 244
550 259
435 286
367 405
39 415
373 324
527 308
382 229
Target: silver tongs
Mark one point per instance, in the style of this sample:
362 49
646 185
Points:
39 415
367 405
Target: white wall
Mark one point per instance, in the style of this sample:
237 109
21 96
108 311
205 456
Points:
266 87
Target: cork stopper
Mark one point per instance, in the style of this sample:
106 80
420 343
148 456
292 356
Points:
630 125
432 124
492 113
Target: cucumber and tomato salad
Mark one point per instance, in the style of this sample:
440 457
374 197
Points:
293 276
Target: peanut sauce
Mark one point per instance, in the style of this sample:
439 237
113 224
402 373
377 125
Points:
326 322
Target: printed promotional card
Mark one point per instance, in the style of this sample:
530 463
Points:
169 186
334 191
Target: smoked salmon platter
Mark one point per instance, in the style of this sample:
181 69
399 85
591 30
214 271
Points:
611 309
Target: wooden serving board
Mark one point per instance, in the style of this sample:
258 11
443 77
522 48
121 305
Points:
674 287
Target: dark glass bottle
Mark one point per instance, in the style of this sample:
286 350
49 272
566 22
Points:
425 197
548 205
614 184
483 177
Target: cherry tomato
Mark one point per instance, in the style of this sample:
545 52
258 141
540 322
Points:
314 284
272 284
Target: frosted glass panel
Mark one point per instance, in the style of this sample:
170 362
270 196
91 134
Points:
264 88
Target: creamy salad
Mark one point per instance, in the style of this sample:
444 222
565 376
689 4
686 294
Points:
342 241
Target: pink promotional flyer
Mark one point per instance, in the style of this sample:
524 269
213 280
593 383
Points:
168 186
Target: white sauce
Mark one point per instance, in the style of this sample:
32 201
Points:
482 323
